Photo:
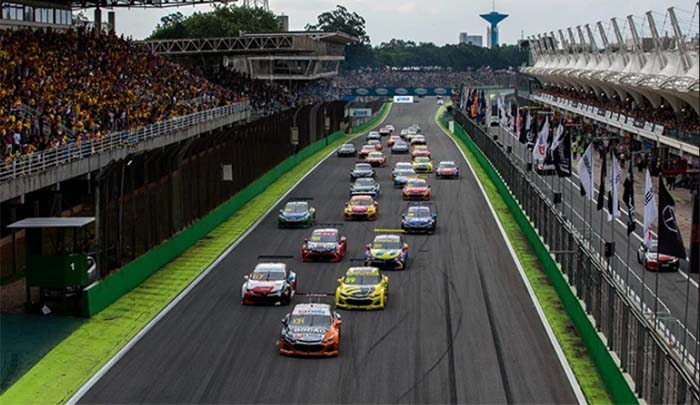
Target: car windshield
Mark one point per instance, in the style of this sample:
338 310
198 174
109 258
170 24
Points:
386 244
416 183
653 246
361 202
347 146
405 172
363 166
404 165
401 144
373 142
421 148
447 165
362 279
422 212
365 182
375 155
296 207
307 320
324 236
368 147
422 159
268 275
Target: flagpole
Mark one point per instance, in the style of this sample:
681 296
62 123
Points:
656 276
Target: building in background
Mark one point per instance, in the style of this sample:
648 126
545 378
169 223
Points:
476 40
283 22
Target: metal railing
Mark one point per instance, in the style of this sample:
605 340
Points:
41 161
646 346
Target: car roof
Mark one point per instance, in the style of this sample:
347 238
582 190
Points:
362 164
325 230
447 162
312 309
419 208
366 270
422 159
417 180
387 238
406 164
361 197
270 267
376 154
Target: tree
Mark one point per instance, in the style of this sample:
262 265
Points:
341 20
223 21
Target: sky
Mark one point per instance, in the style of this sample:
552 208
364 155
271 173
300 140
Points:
440 21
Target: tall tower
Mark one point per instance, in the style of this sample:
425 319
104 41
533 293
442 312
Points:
493 18
257 4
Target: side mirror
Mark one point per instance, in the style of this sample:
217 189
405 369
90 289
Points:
403 216
340 280
405 247
246 277
306 240
367 246
337 316
312 210
285 320
343 238
281 211
338 322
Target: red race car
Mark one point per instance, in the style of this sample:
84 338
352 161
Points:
310 330
416 189
376 143
324 245
420 150
392 140
361 207
366 150
376 159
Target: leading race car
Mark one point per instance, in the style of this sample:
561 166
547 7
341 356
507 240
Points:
415 128
447 169
418 140
362 288
310 330
361 207
376 159
416 189
374 135
296 214
361 170
346 150
420 150
269 283
390 127
400 148
387 252
384 131
401 176
653 261
419 218
324 245
365 185
422 164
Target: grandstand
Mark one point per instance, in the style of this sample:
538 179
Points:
639 82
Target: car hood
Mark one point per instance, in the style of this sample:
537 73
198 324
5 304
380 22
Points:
294 215
264 286
359 208
321 246
661 257
358 290
307 333
362 171
384 253
415 220
416 189
357 188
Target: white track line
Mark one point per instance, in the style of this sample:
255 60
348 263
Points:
152 323
548 329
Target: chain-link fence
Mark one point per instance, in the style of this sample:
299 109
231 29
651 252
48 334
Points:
660 374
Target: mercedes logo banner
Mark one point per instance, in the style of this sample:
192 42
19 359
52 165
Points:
670 239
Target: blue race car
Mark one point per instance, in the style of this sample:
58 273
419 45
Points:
387 252
296 214
419 218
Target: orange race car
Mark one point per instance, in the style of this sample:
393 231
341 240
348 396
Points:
376 159
310 330
361 207
420 150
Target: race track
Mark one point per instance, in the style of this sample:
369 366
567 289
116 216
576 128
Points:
459 327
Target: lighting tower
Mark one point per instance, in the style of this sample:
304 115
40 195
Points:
494 18
263 4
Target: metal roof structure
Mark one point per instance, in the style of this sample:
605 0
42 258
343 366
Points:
110 4
52 222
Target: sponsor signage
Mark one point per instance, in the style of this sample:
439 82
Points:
638 123
360 112
402 91
403 99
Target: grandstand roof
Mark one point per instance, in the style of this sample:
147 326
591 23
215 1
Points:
80 4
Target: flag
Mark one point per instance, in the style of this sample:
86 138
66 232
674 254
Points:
695 236
532 129
628 198
585 172
475 104
603 174
520 127
539 152
488 112
670 239
649 208
613 194
562 154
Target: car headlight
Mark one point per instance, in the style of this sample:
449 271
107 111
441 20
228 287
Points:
329 338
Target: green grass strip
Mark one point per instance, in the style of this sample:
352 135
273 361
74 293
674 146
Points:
57 376
575 351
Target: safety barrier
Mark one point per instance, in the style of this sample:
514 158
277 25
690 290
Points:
98 296
657 371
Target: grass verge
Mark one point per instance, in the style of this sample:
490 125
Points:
573 347
58 375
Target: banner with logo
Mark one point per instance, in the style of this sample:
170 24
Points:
403 91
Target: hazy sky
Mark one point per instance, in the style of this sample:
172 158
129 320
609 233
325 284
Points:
440 21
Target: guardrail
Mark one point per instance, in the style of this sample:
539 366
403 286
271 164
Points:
41 161
645 347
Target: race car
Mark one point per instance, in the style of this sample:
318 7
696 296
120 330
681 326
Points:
418 140
420 150
346 150
365 185
390 127
410 136
324 245
296 214
361 170
447 169
269 283
404 133
384 131
653 261
422 164
400 166
387 252
419 218
399 148
392 140
361 207
362 288
377 144
415 128
366 150
374 135
416 189
376 159
400 177
310 330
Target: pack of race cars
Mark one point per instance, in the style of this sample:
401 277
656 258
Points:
313 329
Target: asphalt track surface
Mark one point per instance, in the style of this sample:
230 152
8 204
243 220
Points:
675 292
459 326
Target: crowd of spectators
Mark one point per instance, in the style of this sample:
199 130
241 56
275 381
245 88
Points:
63 87
685 121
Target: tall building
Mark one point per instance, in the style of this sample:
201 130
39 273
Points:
476 40
283 22
493 19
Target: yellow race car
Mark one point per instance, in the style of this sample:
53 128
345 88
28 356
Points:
361 207
362 288
422 164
